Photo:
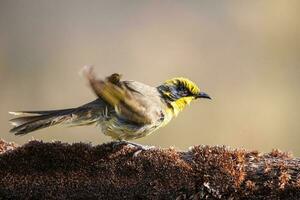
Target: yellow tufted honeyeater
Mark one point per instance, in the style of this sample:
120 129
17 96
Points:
124 110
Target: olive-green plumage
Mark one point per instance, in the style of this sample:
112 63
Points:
124 110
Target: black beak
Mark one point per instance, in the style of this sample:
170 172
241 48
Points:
203 95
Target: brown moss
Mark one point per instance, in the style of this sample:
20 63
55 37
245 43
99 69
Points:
284 179
57 170
6 146
250 185
279 154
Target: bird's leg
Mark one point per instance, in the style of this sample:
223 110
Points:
119 142
139 147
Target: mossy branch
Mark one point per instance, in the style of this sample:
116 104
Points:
57 170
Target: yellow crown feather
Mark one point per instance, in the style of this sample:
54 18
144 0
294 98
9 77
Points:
190 85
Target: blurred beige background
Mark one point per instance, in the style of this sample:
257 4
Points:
245 54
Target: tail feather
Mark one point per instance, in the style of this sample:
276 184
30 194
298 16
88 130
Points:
35 120
43 112
41 122
23 120
40 119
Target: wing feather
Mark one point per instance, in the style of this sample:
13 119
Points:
115 93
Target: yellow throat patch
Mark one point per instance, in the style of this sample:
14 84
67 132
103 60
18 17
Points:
180 104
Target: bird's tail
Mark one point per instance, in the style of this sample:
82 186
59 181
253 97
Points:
41 119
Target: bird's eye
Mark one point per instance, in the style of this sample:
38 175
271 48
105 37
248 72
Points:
180 87
182 90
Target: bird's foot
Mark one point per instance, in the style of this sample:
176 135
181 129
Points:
119 142
139 147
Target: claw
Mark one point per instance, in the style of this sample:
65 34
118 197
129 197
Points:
143 148
139 147
120 142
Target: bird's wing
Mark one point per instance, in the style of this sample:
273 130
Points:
128 102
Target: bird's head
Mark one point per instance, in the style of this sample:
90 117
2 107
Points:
179 92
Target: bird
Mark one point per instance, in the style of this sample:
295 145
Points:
124 109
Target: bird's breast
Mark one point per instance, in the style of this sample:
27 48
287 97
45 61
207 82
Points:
119 129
